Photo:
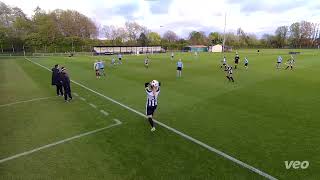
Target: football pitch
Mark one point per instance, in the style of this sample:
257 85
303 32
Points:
210 128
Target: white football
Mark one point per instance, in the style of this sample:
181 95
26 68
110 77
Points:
154 83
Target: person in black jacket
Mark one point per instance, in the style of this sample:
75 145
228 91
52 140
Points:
66 84
56 80
236 61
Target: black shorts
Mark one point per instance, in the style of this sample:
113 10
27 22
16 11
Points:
278 62
119 59
179 68
150 110
246 64
237 62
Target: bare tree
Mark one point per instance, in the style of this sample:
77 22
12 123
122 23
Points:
170 36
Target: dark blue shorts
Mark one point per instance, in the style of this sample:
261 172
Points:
150 110
179 68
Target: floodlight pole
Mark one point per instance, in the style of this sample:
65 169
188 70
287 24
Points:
224 33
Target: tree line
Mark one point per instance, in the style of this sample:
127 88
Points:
69 30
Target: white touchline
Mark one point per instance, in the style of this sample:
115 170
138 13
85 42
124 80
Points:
117 122
104 112
92 105
30 100
175 131
83 99
75 94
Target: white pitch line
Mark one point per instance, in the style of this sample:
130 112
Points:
83 99
59 142
104 112
30 100
75 94
117 121
92 105
245 165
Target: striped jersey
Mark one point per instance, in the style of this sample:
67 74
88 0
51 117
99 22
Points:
229 69
291 61
146 61
152 98
246 61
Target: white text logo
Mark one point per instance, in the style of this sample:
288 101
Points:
297 164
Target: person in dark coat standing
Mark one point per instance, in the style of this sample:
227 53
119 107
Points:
56 80
66 84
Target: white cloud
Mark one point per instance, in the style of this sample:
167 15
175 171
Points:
183 16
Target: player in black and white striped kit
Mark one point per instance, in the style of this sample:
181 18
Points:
152 90
229 73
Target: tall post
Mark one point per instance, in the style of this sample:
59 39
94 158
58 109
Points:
224 33
1 48
72 45
24 52
12 48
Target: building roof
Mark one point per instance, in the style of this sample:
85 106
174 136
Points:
197 46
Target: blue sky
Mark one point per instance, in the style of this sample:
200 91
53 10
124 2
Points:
183 16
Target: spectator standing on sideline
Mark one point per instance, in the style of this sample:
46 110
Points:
56 80
66 84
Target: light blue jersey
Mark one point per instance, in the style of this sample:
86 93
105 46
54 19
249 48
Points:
101 65
180 64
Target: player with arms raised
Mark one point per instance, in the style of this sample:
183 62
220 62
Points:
152 89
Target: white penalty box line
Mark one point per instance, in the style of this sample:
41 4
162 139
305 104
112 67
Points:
26 101
245 165
117 122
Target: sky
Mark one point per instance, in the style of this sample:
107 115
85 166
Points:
184 16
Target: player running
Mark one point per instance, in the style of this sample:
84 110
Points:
246 62
96 68
119 58
179 68
113 61
146 62
290 63
172 56
101 68
152 89
279 61
229 73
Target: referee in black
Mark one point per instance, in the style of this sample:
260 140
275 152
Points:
56 79
236 61
66 84
152 89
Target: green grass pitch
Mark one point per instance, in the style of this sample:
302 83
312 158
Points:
268 116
